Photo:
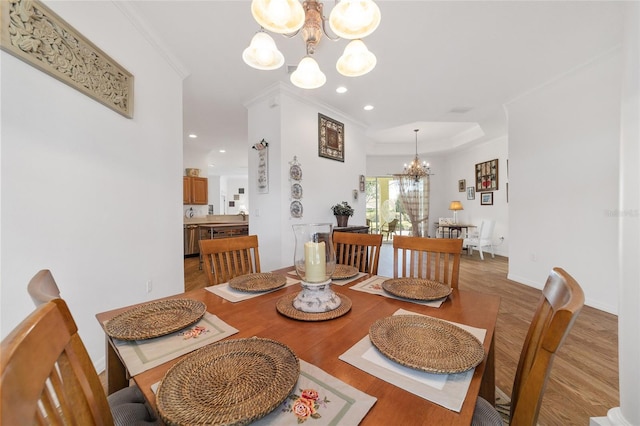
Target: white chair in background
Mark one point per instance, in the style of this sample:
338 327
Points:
483 238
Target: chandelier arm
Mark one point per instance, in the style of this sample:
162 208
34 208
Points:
324 30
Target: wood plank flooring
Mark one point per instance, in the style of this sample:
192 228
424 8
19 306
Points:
584 378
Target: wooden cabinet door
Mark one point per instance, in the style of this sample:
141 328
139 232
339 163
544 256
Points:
186 190
199 190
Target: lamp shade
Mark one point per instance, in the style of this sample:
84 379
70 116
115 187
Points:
352 19
308 74
262 53
356 60
455 205
279 16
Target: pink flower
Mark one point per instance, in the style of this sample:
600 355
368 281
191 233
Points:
311 394
303 408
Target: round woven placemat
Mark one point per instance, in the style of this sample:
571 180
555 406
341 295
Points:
232 382
285 307
344 272
155 319
416 288
258 282
426 344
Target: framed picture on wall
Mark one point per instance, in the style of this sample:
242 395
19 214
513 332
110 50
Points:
461 185
486 198
330 138
487 176
471 193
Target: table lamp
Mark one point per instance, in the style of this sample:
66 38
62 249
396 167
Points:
455 206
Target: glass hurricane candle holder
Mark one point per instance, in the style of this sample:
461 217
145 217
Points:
315 261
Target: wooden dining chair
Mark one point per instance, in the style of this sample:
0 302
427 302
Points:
48 377
359 250
127 406
560 303
436 259
226 258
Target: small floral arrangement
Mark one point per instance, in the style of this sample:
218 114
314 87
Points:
342 209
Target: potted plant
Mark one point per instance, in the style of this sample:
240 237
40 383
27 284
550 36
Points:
342 211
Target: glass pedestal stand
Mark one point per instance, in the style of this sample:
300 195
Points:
316 297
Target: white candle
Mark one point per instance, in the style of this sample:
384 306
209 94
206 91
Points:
315 262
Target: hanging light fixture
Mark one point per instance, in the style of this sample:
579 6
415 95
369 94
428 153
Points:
416 170
349 19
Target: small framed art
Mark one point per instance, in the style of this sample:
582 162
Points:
471 193
486 198
330 138
461 185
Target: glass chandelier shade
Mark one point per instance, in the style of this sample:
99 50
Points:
279 16
352 19
356 60
308 74
349 19
262 53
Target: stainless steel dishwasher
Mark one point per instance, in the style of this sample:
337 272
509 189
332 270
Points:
191 246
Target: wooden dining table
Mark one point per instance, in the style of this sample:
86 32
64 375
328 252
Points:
322 342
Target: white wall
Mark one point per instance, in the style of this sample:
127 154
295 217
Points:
563 172
291 129
91 195
229 186
459 165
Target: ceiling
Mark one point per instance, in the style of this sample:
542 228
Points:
444 67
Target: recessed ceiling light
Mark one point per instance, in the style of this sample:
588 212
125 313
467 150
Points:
222 151
193 135
368 107
341 89
212 165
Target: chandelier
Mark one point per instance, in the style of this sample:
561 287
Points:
416 170
349 19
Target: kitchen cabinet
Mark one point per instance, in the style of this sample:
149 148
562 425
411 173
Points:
194 190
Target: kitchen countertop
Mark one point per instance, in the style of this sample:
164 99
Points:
225 219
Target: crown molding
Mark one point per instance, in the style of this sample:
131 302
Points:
129 10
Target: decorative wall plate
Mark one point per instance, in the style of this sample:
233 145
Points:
296 209
295 172
296 191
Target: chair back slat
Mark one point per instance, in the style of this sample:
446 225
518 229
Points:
359 250
435 259
227 258
47 375
560 303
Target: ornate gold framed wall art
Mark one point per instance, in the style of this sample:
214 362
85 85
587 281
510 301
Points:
35 34
330 138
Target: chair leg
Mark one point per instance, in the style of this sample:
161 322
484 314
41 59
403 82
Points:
480 250
493 255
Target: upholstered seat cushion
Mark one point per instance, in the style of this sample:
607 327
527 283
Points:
128 407
485 414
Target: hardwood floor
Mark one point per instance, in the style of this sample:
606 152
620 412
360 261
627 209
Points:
584 378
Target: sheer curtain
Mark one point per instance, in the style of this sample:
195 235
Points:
414 197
